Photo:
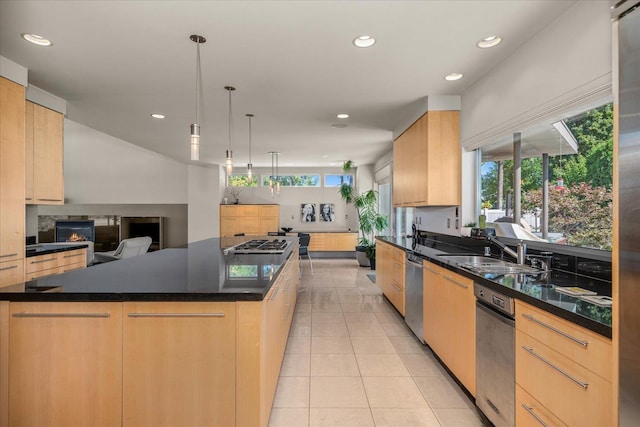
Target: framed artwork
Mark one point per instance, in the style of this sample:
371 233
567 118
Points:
307 212
327 212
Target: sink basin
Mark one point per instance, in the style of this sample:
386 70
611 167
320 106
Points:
482 265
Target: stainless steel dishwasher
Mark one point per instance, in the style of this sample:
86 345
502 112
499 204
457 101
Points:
413 295
495 356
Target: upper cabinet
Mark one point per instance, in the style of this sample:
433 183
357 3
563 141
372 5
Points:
44 151
248 219
427 162
12 148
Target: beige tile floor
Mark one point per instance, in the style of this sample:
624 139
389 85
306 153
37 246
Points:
351 361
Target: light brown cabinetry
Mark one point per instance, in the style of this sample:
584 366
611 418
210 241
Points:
336 242
12 181
179 363
55 263
45 150
65 364
248 219
427 162
450 321
390 273
563 369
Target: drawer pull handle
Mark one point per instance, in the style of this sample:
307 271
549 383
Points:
529 409
51 200
274 294
11 267
59 315
533 353
431 270
8 255
396 287
71 256
286 316
43 260
176 314
556 330
449 278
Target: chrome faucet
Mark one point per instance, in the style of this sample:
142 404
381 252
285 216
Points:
521 253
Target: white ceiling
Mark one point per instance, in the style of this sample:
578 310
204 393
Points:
292 62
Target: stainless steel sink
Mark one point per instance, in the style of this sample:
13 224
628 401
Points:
486 265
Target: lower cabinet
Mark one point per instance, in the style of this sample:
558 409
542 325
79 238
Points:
563 371
179 363
55 263
390 273
11 272
449 315
65 364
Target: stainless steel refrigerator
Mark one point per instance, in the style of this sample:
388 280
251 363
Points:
626 15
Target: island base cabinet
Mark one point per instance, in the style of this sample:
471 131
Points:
179 364
66 364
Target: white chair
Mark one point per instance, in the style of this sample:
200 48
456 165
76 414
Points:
126 249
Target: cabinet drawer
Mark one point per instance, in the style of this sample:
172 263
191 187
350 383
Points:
577 396
398 255
579 344
456 279
11 272
71 267
73 257
268 210
530 413
41 263
396 296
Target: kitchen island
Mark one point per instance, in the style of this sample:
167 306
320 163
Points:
189 336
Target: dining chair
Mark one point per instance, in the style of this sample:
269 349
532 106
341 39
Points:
303 251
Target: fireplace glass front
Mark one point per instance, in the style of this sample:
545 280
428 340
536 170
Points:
75 231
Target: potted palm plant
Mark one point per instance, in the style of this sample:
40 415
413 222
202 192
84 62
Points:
370 222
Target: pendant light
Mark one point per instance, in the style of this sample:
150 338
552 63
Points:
249 165
195 127
274 182
277 175
229 157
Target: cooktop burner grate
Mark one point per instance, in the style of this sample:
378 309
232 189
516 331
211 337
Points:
274 246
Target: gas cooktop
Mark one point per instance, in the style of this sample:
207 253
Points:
274 246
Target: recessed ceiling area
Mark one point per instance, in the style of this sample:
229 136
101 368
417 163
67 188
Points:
293 64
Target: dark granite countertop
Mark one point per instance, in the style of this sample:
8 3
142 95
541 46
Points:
51 248
537 290
203 271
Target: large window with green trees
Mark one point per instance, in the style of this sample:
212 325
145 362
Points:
293 180
580 184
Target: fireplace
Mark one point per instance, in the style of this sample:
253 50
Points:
75 231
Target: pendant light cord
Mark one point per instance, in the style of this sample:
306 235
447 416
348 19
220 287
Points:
229 119
197 77
249 139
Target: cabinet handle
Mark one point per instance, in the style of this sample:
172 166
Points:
11 267
556 330
8 255
449 278
175 314
43 260
28 198
431 270
529 409
74 255
75 315
51 200
533 353
273 295
398 288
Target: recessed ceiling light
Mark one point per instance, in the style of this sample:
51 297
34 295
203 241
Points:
36 39
157 116
364 41
490 41
343 116
453 76
339 125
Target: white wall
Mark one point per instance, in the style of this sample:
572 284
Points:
566 65
204 200
101 169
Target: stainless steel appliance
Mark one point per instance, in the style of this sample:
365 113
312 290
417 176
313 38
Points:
625 309
274 246
495 356
413 295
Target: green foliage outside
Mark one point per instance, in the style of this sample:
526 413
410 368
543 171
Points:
243 181
295 180
583 212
